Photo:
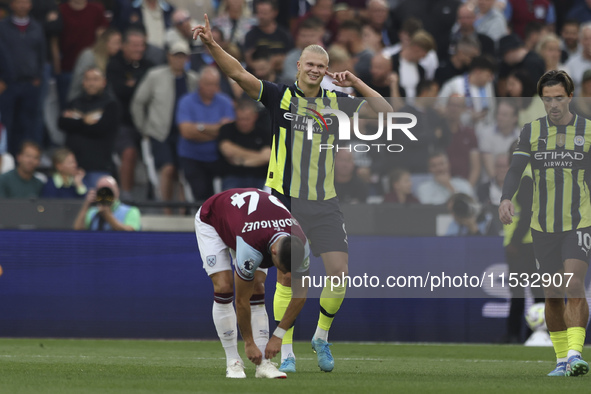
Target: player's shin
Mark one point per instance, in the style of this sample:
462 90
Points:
560 343
576 340
331 300
224 318
281 300
259 321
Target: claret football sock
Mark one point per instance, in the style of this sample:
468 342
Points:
224 319
560 343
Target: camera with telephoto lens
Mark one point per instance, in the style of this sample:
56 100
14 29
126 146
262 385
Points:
105 196
464 206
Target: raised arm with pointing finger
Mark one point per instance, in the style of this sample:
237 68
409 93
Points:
228 64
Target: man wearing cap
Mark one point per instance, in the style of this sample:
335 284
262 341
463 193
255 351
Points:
153 107
514 55
103 211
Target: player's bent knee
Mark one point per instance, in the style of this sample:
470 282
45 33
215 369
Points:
223 288
223 282
259 288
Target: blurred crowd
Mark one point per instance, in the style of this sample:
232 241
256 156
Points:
90 89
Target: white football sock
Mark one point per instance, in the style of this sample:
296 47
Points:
260 326
573 353
224 318
287 351
321 333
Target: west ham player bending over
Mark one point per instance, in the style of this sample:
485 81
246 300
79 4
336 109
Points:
259 232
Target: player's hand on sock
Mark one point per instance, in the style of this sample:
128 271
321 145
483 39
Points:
253 353
273 347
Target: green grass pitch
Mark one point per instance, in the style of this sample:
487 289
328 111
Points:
142 366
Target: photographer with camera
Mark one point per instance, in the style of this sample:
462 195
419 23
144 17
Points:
469 219
103 211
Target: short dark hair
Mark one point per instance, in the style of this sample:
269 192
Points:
556 77
425 85
396 174
29 144
437 153
261 53
411 25
528 84
483 62
134 30
216 28
571 21
273 3
311 23
352 25
291 249
533 27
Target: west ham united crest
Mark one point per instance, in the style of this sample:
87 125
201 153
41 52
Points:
210 260
560 140
249 264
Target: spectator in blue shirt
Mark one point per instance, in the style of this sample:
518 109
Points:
199 117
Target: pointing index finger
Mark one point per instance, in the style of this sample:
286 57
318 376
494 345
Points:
206 21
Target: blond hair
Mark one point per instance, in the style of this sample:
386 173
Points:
100 50
60 155
545 40
314 48
338 54
423 40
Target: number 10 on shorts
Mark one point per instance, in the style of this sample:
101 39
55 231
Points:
584 241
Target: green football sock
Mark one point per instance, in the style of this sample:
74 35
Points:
560 342
576 338
330 303
281 300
